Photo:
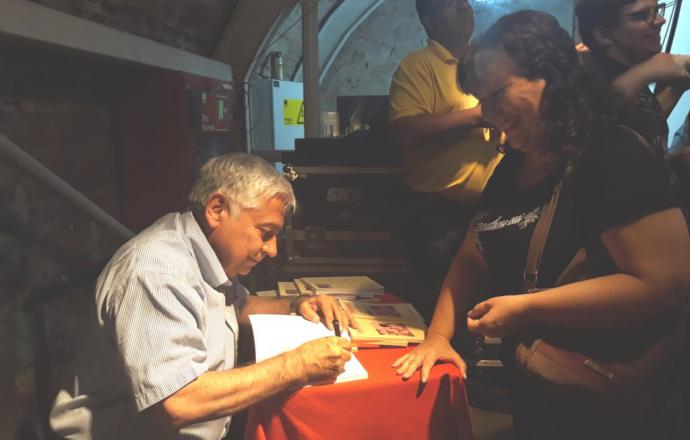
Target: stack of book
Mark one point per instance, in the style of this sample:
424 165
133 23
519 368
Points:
385 324
349 287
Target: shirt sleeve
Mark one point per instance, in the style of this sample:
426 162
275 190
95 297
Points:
682 136
622 181
159 328
410 91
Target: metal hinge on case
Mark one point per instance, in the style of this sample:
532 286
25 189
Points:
290 173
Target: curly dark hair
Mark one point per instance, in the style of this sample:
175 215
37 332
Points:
573 105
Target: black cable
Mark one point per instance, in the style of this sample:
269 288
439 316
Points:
674 24
249 103
275 40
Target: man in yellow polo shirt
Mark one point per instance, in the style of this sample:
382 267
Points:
448 154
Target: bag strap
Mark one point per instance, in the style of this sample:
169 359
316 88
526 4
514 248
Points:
643 140
574 269
541 232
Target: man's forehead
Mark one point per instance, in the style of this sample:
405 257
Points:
638 5
492 65
271 212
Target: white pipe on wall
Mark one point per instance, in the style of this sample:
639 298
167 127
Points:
310 51
22 160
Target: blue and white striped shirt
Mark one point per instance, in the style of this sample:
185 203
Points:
161 321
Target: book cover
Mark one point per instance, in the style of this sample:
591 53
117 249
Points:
287 288
302 287
368 310
267 293
383 331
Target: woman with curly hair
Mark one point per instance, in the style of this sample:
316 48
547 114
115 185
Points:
524 72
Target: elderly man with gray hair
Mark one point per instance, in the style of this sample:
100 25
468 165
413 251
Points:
158 360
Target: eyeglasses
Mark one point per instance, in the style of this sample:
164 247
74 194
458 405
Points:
497 95
649 15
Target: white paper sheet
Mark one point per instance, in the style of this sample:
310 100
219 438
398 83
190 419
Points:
276 334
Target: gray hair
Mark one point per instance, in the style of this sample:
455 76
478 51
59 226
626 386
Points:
247 181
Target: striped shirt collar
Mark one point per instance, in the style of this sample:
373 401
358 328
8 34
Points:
211 269
440 51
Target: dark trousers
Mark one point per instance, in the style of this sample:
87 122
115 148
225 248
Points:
432 227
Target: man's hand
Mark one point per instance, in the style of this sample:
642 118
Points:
434 348
310 307
681 155
321 359
667 68
500 316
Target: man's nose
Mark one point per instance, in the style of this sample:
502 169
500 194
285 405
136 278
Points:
659 20
271 247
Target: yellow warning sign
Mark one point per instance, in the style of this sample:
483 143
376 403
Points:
293 112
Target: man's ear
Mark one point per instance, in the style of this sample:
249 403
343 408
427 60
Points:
602 36
216 204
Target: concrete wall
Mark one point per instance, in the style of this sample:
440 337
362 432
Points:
681 45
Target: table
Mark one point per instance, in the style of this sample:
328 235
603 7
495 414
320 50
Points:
379 408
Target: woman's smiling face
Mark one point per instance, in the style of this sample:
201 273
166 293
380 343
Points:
510 102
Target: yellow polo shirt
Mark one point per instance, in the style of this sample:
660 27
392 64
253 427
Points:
426 83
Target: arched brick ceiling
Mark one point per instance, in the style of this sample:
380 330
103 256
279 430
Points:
192 25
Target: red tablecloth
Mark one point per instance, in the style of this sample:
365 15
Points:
381 407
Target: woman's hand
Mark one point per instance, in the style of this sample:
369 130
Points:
500 316
435 347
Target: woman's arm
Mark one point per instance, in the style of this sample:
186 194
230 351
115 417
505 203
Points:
653 255
460 290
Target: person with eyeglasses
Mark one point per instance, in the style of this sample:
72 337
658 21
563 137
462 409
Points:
564 142
448 153
624 37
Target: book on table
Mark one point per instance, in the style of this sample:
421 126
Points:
287 288
302 287
397 324
342 285
276 334
377 332
392 311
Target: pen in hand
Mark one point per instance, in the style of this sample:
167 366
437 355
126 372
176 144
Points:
336 327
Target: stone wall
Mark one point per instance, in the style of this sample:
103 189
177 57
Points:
58 108
367 61
192 25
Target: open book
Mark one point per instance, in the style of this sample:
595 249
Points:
276 334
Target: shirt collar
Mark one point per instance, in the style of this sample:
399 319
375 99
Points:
440 51
209 265
606 65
